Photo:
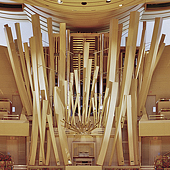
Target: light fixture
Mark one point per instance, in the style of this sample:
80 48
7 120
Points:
107 1
60 1
120 5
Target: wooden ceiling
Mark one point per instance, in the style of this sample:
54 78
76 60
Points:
92 17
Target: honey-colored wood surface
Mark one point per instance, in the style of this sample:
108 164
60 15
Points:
119 146
113 38
53 140
150 63
42 75
66 126
59 109
22 59
88 87
34 135
44 119
48 148
14 128
37 90
141 50
101 64
51 65
128 69
17 70
62 60
107 132
85 62
133 93
130 130
27 58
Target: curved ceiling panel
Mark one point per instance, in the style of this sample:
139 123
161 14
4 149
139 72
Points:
94 16
151 15
83 23
16 16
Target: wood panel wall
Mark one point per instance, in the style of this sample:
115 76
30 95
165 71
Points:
8 86
160 84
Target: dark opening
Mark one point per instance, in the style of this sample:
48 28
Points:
11 6
160 5
84 3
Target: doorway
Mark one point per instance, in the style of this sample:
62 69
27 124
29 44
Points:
151 105
16 105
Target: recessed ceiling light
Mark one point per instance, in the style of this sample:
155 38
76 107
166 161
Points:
60 1
108 1
120 5
84 3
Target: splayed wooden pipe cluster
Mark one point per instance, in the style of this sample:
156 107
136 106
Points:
118 99
79 128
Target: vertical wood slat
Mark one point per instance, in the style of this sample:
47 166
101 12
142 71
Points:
53 140
62 60
141 50
16 70
118 70
150 63
44 113
119 140
130 131
92 89
71 91
133 94
95 64
65 97
56 37
99 109
129 57
51 64
34 134
108 128
88 87
37 91
59 108
42 75
141 72
94 115
128 69
101 65
68 59
116 133
160 51
79 73
104 105
112 54
95 105
113 35
27 57
78 93
85 62
48 148
24 70
68 69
